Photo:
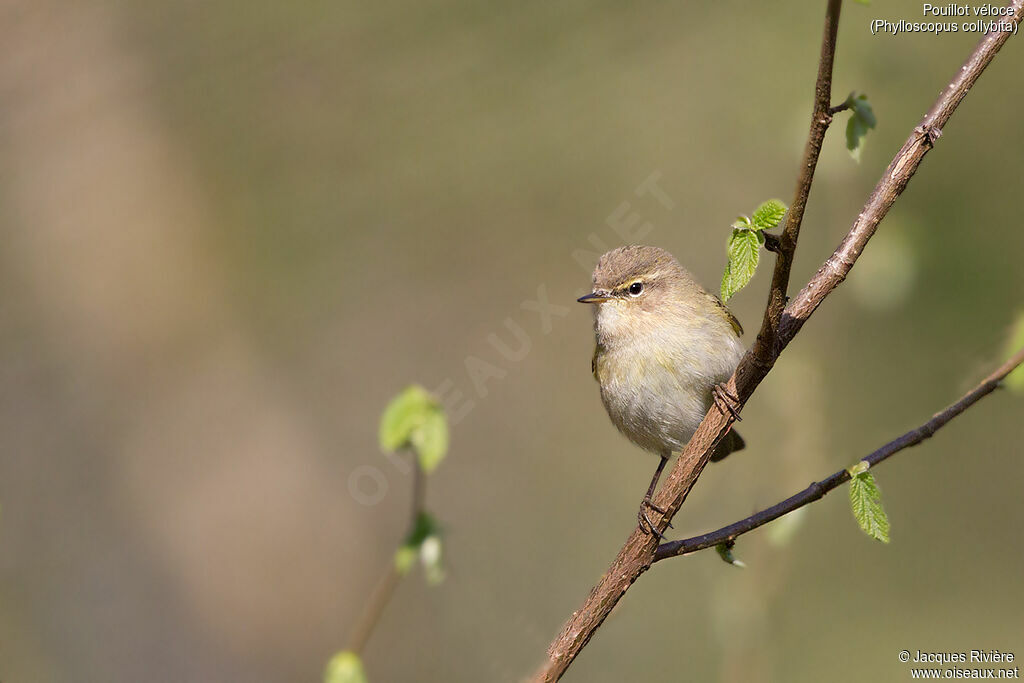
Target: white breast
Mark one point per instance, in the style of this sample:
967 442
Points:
656 382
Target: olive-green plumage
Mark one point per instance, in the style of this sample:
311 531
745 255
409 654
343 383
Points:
663 343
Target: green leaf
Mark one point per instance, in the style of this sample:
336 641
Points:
724 551
345 667
866 503
430 440
862 119
1015 380
863 2
415 419
769 215
862 108
403 415
423 542
859 468
742 222
424 527
744 254
405 558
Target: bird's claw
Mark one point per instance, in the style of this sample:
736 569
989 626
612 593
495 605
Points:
726 401
929 133
646 525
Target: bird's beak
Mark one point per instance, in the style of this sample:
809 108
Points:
596 297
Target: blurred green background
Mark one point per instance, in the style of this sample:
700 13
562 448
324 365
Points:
231 232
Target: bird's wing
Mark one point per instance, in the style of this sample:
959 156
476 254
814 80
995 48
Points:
728 314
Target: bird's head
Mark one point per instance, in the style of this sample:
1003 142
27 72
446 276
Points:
637 288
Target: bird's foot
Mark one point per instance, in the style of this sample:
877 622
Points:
929 133
726 401
642 518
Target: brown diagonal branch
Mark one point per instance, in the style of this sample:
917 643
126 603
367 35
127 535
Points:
637 554
818 489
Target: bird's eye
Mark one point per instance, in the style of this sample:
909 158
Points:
636 288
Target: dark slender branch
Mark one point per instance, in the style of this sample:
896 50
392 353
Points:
419 483
388 582
842 106
818 489
767 347
637 553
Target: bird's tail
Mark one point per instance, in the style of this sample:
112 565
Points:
732 442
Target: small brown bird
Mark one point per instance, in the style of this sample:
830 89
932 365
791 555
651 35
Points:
664 347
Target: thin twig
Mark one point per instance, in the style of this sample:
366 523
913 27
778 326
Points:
818 489
419 483
771 241
637 554
842 106
766 347
388 582
379 599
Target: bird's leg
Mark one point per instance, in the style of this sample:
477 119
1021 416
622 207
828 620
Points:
641 516
726 401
